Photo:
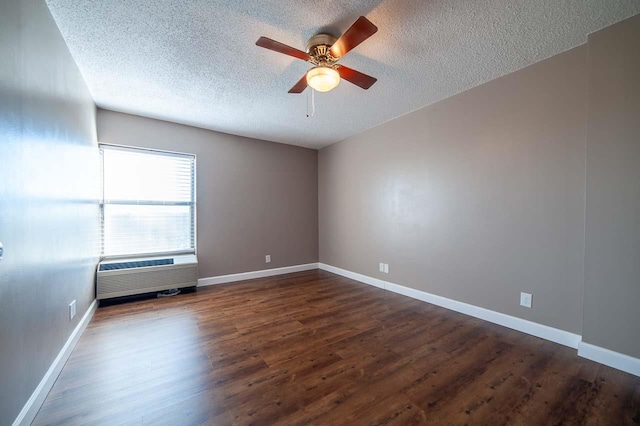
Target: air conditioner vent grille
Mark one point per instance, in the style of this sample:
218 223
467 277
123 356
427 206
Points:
171 278
135 264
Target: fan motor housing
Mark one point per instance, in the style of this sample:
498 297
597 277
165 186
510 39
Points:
319 44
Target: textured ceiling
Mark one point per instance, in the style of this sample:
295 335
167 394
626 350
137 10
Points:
195 61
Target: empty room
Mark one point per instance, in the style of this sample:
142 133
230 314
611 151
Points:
319 213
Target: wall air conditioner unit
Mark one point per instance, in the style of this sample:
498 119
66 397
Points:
136 276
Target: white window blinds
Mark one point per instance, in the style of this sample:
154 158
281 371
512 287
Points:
148 202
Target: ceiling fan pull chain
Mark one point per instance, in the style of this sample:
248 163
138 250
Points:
313 102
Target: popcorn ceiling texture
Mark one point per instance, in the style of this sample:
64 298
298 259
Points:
195 61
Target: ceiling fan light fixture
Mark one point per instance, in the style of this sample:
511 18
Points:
323 79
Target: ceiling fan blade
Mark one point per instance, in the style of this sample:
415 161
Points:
300 85
267 43
361 30
356 77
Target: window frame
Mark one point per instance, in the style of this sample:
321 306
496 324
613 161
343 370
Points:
192 204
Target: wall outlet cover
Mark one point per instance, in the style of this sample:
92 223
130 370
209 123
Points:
386 268
72 310
525 300
267 258
381 267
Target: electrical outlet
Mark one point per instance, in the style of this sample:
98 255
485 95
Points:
381 267
72 310
267 258
525 300
386 268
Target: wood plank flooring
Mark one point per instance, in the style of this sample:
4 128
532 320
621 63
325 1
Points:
316 348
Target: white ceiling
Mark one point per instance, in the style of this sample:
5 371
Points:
195 61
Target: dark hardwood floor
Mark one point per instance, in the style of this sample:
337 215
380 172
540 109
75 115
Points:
315 348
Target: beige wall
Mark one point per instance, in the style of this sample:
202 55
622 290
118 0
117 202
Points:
612 273
475 198
49 215
254 197
485 194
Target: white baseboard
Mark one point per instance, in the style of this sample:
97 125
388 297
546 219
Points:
222 279
354 276
539 330
30 409
611 358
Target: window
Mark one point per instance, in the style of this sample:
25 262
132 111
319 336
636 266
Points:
148 202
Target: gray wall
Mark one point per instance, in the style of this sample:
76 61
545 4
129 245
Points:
612 273
254 197
475 198
49 216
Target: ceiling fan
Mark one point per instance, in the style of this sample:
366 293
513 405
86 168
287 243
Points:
324 51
